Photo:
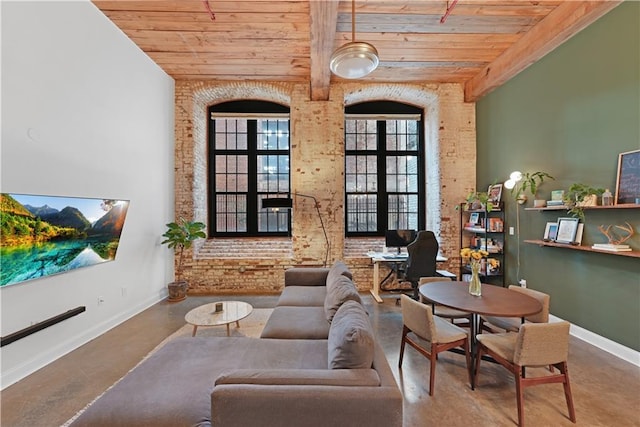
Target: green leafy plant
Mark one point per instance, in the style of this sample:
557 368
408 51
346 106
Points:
478 200
574 199
180 236
520 183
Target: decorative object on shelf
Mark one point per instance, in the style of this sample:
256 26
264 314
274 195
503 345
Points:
495 194
520 183
354 59
474 256
550 232
567 229
628 178
180 236
607 198
477 200
580 196
613 236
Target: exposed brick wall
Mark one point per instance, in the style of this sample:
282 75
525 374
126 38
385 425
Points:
317 169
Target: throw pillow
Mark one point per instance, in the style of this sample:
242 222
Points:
337 270
342 290
351 342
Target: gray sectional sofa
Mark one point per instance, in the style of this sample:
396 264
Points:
317 363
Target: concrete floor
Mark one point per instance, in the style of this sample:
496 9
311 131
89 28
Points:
606 390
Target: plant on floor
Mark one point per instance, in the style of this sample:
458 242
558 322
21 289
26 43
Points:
180 235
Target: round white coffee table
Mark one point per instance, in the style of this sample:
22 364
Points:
206 315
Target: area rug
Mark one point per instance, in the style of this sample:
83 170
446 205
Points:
251 326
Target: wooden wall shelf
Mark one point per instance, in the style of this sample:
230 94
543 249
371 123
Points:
632 254
561 208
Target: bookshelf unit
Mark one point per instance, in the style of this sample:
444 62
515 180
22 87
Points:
480 229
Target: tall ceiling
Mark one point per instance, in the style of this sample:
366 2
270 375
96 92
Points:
480 43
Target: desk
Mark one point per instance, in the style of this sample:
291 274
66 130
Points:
381 257
495 301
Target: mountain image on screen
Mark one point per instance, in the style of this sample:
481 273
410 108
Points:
45 235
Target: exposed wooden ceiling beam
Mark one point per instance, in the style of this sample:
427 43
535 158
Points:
561 24
324 18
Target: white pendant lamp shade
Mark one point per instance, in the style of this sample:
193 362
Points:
354 59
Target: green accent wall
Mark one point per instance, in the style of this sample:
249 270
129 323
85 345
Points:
570 115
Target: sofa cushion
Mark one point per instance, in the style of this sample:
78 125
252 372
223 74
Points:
290 322
303 296
342 290
337 270
351 341
336 377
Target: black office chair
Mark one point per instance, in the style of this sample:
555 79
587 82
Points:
422 259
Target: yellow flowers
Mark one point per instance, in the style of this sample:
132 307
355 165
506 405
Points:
473 254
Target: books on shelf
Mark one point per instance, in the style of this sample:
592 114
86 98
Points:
555 203
611 247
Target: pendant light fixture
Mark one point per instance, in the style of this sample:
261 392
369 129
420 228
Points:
354 59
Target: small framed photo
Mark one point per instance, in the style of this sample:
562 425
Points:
550 232
495 194
567 229
474 218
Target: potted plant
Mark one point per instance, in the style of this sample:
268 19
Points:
579 196
478 200
520 183
180 236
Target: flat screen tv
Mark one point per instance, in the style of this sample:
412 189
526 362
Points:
45 235
399 238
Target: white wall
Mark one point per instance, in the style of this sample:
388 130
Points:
85 114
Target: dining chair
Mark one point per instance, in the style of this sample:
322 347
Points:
441 310
535 345
512 324
418 321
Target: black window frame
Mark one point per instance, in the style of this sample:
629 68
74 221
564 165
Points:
252 111
389 109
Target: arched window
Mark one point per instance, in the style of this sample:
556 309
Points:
248 160
384 171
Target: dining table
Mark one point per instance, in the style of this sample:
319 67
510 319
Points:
494 301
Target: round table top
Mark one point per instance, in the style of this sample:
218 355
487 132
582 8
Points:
495 300
206 315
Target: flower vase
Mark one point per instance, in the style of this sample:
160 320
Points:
475 286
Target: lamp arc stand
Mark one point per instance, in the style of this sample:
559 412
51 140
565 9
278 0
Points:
324 230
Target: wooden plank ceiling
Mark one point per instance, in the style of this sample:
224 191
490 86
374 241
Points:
481 43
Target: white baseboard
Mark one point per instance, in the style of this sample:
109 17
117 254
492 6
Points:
618 350
41 360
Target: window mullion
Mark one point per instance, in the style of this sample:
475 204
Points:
252 193
383 198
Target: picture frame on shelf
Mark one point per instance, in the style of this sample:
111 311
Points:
495 195
628 178
474 218
567 229
550 232
578 239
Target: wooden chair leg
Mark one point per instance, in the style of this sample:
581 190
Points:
467 353
520 396
432 369
567 391
404 336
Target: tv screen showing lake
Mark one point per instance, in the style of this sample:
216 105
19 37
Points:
45 235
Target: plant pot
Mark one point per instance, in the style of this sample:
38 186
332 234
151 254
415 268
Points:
177 290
